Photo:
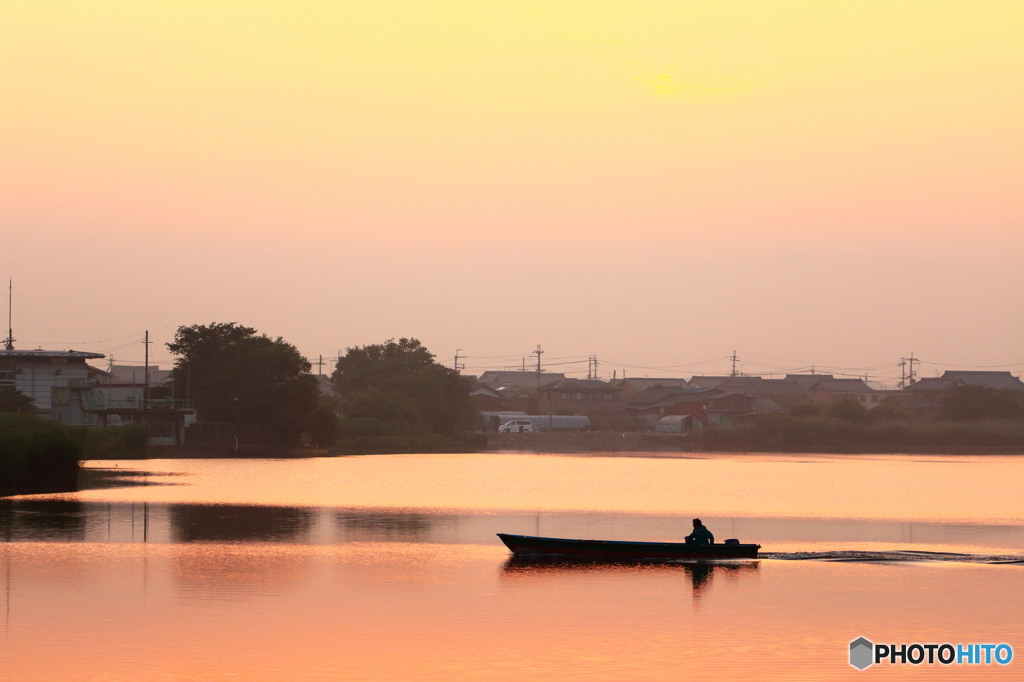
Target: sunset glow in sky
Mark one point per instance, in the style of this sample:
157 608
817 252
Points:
657 183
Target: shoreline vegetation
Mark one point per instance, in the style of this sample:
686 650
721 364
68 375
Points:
785 433
43 456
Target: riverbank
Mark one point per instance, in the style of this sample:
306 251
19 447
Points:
791 436
42 456
784 433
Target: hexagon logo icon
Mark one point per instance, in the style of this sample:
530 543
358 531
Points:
861 653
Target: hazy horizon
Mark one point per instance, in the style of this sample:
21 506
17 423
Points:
833 185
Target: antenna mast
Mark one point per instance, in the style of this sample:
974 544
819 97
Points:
9 343
145 391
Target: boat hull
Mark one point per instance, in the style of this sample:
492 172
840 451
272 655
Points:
527 545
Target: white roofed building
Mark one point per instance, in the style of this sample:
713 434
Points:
37 373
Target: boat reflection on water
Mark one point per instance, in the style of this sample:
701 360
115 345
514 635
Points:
701 574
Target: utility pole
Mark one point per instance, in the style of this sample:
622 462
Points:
733 358
908 380
320 365
145 390
9 343
457 358
538 353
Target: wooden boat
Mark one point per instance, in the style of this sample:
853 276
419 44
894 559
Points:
526 545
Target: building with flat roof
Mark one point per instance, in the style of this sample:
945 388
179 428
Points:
65 388
36 373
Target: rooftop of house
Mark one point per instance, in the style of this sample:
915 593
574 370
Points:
519 378
765 387
581 385
986 379
843 386
513 391
484 389
643 383
766 404
712 381
808 380
40 353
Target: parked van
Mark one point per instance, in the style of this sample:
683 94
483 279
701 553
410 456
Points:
545 422
517 426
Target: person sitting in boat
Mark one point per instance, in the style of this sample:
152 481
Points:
700 535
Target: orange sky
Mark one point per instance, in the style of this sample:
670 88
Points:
835 183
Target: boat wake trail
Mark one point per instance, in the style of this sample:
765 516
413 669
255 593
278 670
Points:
894 556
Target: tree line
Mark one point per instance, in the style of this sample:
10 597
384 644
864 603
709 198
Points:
264 386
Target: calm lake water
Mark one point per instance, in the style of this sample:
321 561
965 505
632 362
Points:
388 568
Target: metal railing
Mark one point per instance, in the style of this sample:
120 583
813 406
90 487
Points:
100 402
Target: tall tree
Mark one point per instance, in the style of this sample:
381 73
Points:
964 402
399 382
13 400
261 384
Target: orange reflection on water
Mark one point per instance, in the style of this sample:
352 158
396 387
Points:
403 611
954 488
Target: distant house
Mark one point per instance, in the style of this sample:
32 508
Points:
599 400
808 380
714 381
642 402
995 380
519 378
706 405
788 388
929 393
830 391
784 392
486 399
503 398
634 386
518 398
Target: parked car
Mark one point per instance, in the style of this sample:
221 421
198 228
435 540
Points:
517 426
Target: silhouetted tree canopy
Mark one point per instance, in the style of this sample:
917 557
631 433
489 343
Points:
398 383
13 400
964 402
849 410
324 425
805 409
893 409
233 374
